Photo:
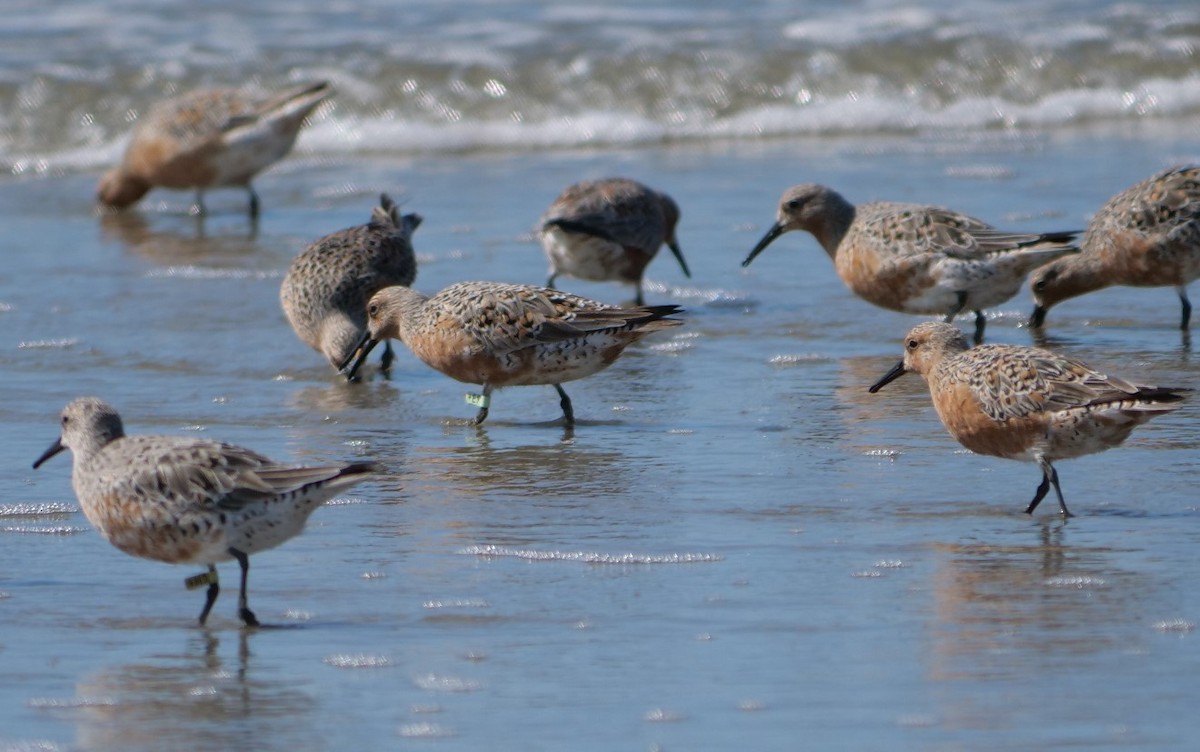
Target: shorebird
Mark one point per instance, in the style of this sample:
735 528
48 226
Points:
914 258
610 229
189 501
497 335
1026 403
1146 236
326 289
210 138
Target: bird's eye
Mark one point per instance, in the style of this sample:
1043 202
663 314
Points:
1045 279
913 344
795 203
66 419
373 310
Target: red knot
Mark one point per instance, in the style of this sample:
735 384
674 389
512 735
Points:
1026 403
189 501
210 138
913 258
603 230
1145 236
326 290
497 335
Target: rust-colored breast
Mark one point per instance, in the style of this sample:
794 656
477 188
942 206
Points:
874 275
141 527
965 419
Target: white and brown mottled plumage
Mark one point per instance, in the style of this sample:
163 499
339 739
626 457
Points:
1146 236
497 335
326 289
914 258
1026 403
210 138
188 501
609 229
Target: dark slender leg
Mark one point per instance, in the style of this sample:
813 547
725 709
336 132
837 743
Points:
1187 308
385 363
980 319
638 300
958 307
201 210
483 410
565 404
214 589
248 617
1062 504
253 201
1049 478
553 276
1042 488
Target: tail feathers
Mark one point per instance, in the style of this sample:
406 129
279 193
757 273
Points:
582 228
306 94
1146 399
1162 395
1024 253
999 241
640 319
387 214
332 477
1031 257
1065 237
360 468
295 104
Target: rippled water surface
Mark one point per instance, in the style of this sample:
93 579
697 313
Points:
738 547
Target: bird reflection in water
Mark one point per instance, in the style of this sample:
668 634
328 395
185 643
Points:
212 697
177 241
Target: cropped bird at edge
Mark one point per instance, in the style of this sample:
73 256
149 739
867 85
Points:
189 501
1026 403
497 335
602 230
325 292
914 258
1146 236
210 138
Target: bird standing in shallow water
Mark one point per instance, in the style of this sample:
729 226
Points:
913 258
1025 403
499 335
609 229
326 289
187 501
210 138
1146 236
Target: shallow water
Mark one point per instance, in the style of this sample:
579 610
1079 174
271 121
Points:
738 547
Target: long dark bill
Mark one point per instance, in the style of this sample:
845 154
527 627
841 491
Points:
896 372
54 449
1037 318
351 365
679 256
775 231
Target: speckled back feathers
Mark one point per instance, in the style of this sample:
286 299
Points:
327 286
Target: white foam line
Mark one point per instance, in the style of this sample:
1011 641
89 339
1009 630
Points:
589 557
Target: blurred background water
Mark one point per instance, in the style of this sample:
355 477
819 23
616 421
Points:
739 547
